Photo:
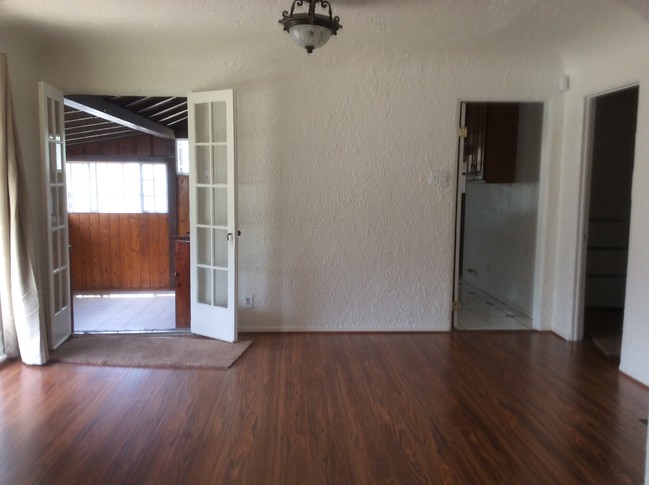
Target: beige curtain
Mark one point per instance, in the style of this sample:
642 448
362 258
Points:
22 333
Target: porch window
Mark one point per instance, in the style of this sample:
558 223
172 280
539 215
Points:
117 187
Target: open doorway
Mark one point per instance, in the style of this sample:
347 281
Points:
126 208
607 215
212 291
498 186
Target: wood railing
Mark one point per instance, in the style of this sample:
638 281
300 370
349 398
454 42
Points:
119 251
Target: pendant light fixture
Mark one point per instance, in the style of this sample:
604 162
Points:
309 29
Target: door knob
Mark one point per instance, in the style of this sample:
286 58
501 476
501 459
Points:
229 236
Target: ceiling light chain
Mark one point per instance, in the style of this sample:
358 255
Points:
310 30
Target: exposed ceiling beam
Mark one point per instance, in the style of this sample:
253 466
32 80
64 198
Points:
83 139
158 104
72 125
101 108
138 102
167 121
175 107
184 118
92 131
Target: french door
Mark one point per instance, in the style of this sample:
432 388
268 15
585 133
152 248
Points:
213 213
213 210
53 155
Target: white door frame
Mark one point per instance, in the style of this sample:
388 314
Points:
460 189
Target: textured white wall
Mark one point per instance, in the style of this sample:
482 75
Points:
340 228
596 66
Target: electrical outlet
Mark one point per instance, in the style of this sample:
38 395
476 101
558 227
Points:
249 301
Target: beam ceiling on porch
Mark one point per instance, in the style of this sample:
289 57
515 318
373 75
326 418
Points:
97 118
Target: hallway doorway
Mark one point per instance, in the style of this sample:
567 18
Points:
608 213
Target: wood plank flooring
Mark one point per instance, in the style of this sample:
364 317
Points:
466 408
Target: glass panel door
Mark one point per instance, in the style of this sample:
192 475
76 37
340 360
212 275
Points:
53 153
213 231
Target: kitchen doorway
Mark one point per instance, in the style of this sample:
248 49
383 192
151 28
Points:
496 223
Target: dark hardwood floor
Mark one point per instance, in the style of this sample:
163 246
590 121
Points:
466 408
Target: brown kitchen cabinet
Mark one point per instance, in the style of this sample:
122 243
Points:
183 307
491 142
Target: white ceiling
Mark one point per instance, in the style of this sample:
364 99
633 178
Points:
433 23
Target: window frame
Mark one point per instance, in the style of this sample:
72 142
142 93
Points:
95 206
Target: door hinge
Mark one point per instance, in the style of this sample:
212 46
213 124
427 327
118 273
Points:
456 305
463 132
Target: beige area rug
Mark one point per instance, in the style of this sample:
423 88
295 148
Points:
181 352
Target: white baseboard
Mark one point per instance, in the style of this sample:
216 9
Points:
284 329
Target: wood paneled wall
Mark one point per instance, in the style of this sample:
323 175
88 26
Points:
124 251
119 251
131 146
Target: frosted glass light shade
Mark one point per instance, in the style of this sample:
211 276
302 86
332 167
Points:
310 36
309 29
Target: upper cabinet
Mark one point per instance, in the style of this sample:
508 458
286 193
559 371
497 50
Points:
490 144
